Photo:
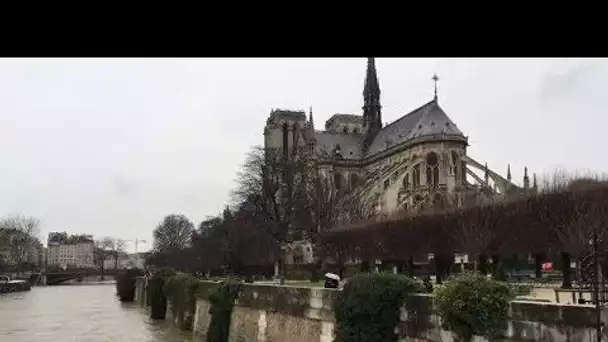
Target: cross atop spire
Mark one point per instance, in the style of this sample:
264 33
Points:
435 79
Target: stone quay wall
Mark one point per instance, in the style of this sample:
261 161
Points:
270 313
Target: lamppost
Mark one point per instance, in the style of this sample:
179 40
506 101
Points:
597 285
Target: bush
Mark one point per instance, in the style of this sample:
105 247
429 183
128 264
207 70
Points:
472 304
180 291
521 290
158 298
426 285
222 302
125 284
368 308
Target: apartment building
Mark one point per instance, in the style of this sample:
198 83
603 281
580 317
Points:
70 251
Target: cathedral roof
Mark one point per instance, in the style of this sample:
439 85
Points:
350 144
427 120
345 118
296 115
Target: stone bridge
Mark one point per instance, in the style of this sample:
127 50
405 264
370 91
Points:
56 278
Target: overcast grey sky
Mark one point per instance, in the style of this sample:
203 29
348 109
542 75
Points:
111 146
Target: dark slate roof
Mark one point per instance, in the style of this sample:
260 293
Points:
429 119
346 118
327 141
287 114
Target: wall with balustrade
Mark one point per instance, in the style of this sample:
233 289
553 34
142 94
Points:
269 313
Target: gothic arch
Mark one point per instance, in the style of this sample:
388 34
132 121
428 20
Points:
432 169
354 180
406 181
416 175
338 180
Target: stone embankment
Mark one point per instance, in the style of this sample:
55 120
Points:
265 313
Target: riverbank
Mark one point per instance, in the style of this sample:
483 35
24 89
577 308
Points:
79 313
268 312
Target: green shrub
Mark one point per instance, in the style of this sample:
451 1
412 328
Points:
158 299
222 302
180 291
125 284
521 290
368 308
472 304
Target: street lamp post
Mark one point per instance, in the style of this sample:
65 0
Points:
597 288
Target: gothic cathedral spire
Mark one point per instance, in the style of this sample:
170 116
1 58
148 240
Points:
372 116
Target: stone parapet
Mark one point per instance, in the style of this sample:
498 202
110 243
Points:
270 313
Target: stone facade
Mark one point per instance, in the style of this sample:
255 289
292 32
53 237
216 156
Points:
417 162
267 313
70 251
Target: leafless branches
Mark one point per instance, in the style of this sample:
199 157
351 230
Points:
105 248
561 219
477 229
173 234
18 235
273 187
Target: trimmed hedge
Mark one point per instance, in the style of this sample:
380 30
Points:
125 284
158 299
472 304
368 308
222 300
521 290
156 291
180 291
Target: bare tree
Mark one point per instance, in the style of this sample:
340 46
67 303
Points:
477 230
576 213
275 185
114 247
19 236
587 215
330 207
173 234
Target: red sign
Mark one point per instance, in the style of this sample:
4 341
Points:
547 266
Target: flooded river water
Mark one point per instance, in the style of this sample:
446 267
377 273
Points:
87 313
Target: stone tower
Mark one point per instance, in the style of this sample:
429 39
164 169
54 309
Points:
285 129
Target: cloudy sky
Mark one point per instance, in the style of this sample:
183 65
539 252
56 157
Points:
110 146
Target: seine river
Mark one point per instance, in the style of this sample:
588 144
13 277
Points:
88 313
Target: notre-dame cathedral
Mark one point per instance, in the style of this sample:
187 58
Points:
419 160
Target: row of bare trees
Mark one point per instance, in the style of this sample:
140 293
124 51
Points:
279 199
564 216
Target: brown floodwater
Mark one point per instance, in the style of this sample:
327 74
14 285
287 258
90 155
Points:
87 313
